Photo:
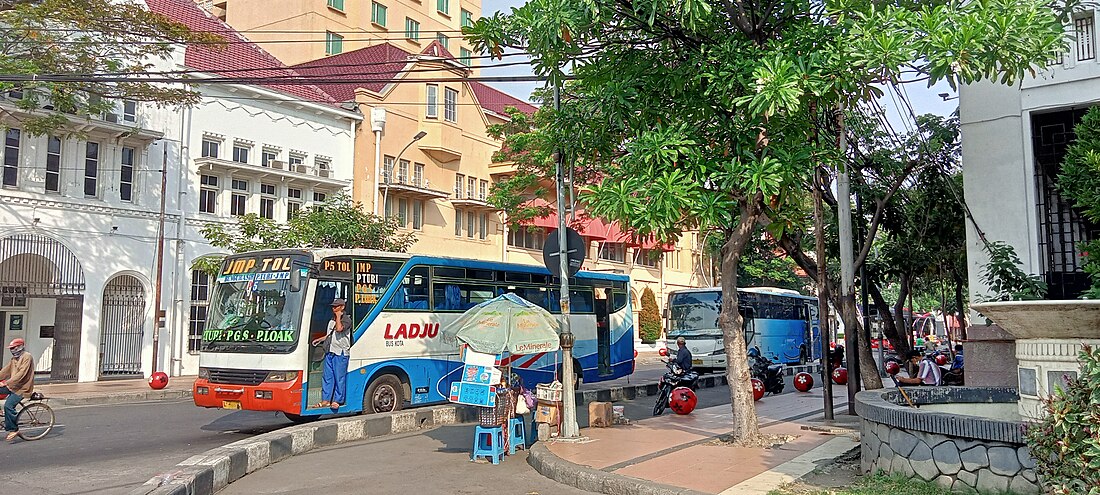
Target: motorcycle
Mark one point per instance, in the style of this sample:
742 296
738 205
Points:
766 371
674 379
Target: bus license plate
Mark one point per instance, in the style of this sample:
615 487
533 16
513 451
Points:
696 361
231 404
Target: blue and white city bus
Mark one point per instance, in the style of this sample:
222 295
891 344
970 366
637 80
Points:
782 322
267 307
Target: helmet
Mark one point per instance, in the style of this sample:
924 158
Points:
754 352
16 343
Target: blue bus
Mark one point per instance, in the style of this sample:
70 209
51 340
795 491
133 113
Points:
781 322
267 306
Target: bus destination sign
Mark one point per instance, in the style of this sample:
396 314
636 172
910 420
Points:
247 335
255 268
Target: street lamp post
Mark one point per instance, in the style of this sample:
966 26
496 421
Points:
389 170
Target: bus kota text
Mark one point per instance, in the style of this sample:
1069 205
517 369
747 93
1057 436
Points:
256 350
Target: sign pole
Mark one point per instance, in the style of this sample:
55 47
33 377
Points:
569 428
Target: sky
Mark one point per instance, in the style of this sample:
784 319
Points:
924 99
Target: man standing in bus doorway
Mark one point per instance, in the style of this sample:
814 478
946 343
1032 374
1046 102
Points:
337 345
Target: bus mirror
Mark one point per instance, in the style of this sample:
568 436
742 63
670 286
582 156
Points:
295 280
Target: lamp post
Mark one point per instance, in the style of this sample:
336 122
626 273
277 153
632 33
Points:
389 170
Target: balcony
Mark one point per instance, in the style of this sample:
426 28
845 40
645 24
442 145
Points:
126 121
411 187
443 141
502 168
471 200
292 174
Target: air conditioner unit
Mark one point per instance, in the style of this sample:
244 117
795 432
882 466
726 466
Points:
277 164
324 172
300 168
400 178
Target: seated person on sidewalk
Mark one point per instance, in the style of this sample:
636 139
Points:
683 355
17 381
927 371
958 363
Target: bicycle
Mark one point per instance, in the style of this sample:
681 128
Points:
35 418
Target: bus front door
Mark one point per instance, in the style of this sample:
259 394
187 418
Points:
603 334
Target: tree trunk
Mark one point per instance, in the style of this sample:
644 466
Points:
868 372
899 311
889 325
961 316
745 425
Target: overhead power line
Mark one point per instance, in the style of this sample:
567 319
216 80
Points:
287 80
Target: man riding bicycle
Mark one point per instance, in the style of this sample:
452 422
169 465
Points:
17 381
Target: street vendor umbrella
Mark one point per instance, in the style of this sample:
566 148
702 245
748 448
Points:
506 323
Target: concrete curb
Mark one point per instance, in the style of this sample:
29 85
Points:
628 392
209 472
119 397
593 480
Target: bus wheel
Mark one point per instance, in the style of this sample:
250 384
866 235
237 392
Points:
384 395
299 419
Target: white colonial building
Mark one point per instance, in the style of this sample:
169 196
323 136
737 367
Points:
1014 140
80 209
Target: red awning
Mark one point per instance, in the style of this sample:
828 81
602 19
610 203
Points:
592 229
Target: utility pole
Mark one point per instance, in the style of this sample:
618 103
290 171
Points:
159 318
569 428
847 261
823 329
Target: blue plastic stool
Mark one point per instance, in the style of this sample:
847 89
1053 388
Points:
517 436
489 443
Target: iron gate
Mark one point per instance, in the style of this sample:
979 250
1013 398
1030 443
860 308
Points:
123 327
66 338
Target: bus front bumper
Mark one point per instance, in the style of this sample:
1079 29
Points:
268 396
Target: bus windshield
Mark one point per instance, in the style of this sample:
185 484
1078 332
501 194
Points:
252 307
694 314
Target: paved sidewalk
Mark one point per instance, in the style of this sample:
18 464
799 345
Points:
114 391
682 451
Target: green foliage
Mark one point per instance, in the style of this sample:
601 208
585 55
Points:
337 223
1066 442
649 318
78 38
1080 181
1003 275
764 264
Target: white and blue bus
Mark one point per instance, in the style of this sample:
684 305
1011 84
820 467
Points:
781 322
267 307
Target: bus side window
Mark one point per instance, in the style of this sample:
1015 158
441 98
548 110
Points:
460 297
414 292
618 301
581 301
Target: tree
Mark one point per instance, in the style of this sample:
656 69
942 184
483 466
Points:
1080 181
338 223
649 319
697 114
95 52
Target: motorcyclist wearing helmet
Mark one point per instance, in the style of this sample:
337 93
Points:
17 381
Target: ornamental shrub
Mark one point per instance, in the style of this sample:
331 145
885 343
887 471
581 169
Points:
1079 180
1066 442
649 320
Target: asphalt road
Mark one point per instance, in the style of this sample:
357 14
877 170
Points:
112 449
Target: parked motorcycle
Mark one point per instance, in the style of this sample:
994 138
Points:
674 379
765 370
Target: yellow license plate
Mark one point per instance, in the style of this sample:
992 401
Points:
231 404
696 361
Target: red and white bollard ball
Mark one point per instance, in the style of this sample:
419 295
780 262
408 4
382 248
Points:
683 400
158 381
840 376
757 389
803 382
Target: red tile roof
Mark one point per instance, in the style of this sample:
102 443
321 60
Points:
495 100
238 53
384 62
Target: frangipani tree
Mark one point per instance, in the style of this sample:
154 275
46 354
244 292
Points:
715 114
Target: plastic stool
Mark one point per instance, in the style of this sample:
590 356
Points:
489 443
517 436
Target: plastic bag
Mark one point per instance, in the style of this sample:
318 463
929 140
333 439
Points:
530 398
521 406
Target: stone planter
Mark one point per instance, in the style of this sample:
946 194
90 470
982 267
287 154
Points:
956 450
1049 334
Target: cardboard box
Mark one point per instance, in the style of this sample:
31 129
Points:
473 394
599 414
547 413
